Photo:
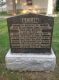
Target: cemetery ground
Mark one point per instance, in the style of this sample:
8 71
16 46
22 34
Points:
4 47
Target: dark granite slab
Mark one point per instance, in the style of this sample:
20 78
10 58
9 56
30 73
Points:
30 33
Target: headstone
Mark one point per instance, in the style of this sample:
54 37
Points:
30 43
29 2
30 33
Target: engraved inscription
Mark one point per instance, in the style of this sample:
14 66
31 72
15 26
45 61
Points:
30 35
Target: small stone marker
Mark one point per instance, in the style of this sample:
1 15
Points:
30 33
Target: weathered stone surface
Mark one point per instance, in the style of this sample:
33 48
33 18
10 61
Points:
30 61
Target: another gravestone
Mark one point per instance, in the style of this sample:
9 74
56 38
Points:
30 33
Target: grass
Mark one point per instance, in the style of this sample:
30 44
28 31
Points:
4 46
3 39
55 42
4 13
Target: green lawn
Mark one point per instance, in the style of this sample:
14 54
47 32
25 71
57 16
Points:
4 13
4 46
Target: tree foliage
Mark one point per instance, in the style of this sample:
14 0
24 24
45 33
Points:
57 5
1 3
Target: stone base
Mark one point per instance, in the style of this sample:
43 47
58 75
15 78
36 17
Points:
30 61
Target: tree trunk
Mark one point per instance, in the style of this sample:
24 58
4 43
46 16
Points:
14 7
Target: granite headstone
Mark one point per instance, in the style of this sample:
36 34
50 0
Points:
30 33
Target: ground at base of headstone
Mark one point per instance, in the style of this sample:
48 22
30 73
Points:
30 62
36 75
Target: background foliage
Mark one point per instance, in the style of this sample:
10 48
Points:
57 5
